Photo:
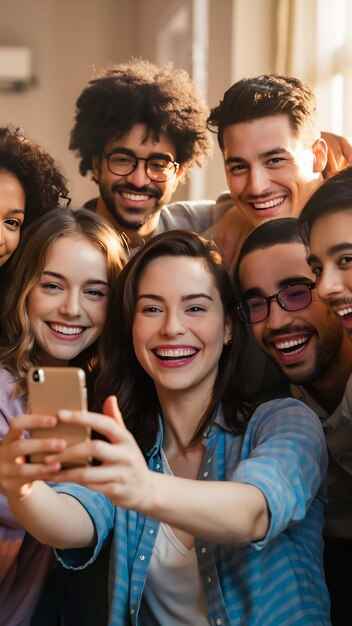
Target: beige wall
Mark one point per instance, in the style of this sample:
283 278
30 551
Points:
254 37
242 43
220 63
70 38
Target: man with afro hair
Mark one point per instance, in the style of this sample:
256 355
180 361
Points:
139 129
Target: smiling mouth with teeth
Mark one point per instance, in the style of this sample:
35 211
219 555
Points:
174 355
343 312
67 330
135 197
292 346
268 204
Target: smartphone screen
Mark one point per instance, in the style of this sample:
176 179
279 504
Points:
51 389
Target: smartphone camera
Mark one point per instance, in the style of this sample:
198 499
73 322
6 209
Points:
38 376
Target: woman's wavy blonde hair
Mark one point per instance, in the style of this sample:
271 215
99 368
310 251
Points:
18 349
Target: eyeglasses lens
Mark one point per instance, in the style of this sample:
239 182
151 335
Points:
295 298
292 298
159 170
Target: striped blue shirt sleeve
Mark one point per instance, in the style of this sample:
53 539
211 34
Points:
284 455
102 513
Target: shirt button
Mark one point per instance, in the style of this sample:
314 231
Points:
218 621
209 579
204 550
205 474
142 557
157 466
132 611
209 460
151 531
135 587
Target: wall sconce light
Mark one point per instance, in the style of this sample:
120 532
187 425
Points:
16 68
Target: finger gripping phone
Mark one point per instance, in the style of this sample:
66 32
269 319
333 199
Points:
51 389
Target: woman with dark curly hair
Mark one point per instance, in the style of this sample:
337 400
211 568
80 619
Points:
30 185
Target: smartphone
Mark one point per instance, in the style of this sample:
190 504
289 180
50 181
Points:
51 389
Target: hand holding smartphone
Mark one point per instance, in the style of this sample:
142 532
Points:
51 389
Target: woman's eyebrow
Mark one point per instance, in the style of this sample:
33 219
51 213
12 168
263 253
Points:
149 296
191 296
90 281
194 296
15 212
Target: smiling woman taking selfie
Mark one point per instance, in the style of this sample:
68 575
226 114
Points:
215 508
54 312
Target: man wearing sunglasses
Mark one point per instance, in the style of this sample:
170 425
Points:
280 304
139 129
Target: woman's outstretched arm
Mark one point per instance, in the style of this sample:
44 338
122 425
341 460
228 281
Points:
52 518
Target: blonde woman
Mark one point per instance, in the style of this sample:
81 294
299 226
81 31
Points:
54 312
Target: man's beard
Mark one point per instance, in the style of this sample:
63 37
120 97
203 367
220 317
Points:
309 375
323 359
109 199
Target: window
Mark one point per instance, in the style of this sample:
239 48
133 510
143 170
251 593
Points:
333 83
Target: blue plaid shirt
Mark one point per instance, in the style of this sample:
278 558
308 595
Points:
277 581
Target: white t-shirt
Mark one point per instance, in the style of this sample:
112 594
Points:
173 593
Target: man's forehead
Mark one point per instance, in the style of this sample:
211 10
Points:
279 121
274 266
265 133
141 136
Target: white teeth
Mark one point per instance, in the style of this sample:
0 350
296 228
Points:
176 354
135 197
269 204
343 312
284 345
67 330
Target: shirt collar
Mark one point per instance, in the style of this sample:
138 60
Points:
159 439
217 423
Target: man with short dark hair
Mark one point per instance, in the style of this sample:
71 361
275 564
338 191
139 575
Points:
326 225
279 301
139 129
274 154
327 222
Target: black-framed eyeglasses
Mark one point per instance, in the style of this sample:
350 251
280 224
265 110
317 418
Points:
291 298
158 168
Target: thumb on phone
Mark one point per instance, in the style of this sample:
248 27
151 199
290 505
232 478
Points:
111 408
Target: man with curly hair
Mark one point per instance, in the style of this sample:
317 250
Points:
139 129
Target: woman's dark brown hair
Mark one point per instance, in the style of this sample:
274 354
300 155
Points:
119 371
